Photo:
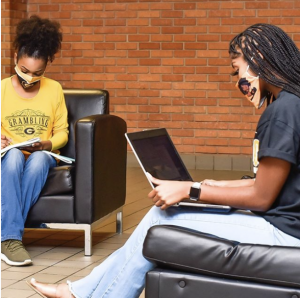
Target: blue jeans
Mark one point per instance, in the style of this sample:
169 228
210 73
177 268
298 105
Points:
122 274
21 183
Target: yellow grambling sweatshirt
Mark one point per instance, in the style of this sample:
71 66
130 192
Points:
43 116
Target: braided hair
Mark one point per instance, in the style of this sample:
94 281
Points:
38 38
271 54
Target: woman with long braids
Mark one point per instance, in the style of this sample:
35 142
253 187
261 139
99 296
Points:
268 59
31 106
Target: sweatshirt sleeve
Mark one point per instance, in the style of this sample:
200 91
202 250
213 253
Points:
60 128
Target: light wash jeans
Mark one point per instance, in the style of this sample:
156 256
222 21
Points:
122 274
21 183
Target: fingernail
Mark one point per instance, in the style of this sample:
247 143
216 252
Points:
148 174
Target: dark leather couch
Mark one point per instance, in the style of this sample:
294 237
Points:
193 264
81 195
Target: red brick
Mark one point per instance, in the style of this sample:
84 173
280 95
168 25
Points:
185 22
160 86
149 77
109 53
122 77
182 54
195 14
137 6
149 93
171 14
115 7
240 142
148 109
228 150
216 142
162 54
161 22
160 101
137 85
270 13
172 46
172 30
171 109
183 132
195 46
105 61
184 70
93 7
126 46
161 6
139 54
172 78
137 69
138 22
129 61
148 14
82 77
149 62
162 38
230 118
138 38
125 30
206 133
103 14
185 6
159 117
49 7
171 93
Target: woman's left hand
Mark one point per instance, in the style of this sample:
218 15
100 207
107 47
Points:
168 193
38 146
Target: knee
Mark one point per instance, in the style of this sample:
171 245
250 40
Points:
155 214
40 160
13 160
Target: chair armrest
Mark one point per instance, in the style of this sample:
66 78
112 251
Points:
191 251
100 180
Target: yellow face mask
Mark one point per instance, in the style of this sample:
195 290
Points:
249 86
25 80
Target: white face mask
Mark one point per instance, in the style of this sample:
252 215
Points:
25 80
249 86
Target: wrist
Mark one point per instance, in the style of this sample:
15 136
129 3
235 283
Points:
195 191
46 145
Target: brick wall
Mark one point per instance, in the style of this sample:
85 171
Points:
12 11
164 62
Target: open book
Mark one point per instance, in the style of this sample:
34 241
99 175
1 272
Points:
20 145
29 143
61 157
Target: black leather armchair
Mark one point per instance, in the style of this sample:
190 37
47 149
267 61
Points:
81 195
193 264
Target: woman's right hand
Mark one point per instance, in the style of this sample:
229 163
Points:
5 141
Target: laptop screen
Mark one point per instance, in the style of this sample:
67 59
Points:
158 155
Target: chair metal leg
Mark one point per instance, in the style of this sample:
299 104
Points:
88 240
88 228
119 222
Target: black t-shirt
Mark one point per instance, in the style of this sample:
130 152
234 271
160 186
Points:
278 132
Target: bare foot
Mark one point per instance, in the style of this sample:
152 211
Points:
51 290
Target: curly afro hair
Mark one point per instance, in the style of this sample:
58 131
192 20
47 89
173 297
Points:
38 38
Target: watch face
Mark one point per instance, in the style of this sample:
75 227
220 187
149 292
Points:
194 192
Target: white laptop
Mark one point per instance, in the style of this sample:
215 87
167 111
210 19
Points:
158 156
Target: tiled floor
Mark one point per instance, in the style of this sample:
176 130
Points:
58 255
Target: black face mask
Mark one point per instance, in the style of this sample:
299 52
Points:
24 83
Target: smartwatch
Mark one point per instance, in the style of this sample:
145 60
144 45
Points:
195 191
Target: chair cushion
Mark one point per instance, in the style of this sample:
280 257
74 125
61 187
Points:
59 181
191 251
